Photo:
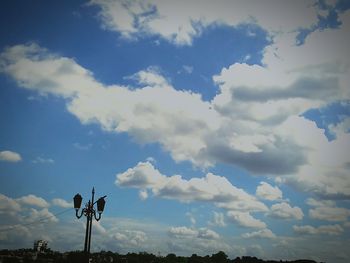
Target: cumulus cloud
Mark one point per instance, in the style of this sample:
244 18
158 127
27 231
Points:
179 23
327 210
62 203
24 220
321 230
293 79
130 238
268 192
319 203
41 215
202 240
253 123
211 188
332 214
183 231
244 219
33 200
263 233
8 204
285 211
9 156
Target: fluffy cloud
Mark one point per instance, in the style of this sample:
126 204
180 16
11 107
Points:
268 192
185 232
21 223
263 233
9 156
326 173
33 200
293 79
129 238
244 219
329 213
327 210
180 130
180 23
62 203
253 123
211 188
202 241
8 204
285 211
43 215
326 229
319 203
143 194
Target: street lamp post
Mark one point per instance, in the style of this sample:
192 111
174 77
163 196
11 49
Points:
90 212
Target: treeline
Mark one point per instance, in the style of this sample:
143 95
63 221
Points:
28 255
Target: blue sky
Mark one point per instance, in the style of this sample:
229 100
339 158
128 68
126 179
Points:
209 126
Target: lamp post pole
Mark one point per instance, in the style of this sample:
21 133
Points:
90 212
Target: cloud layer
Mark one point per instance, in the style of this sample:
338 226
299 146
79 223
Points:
234 128
179 23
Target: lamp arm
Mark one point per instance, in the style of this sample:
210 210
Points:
99 216
81 213
103 197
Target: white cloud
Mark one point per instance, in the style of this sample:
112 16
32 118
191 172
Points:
332 214
185 232
186 126
263 233
268 192
187 69
327 210
341 128
8 204
325 174
62 203
218 220
97 226
211 188
244 219
252 123
130 238
180 22
325 229
151 160
318 203
206 233
9 156
143 194
285 211
293 80
182 231
43 215
33 200
43 160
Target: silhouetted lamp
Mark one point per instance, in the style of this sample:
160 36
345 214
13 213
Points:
101 204
90 212
77 201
